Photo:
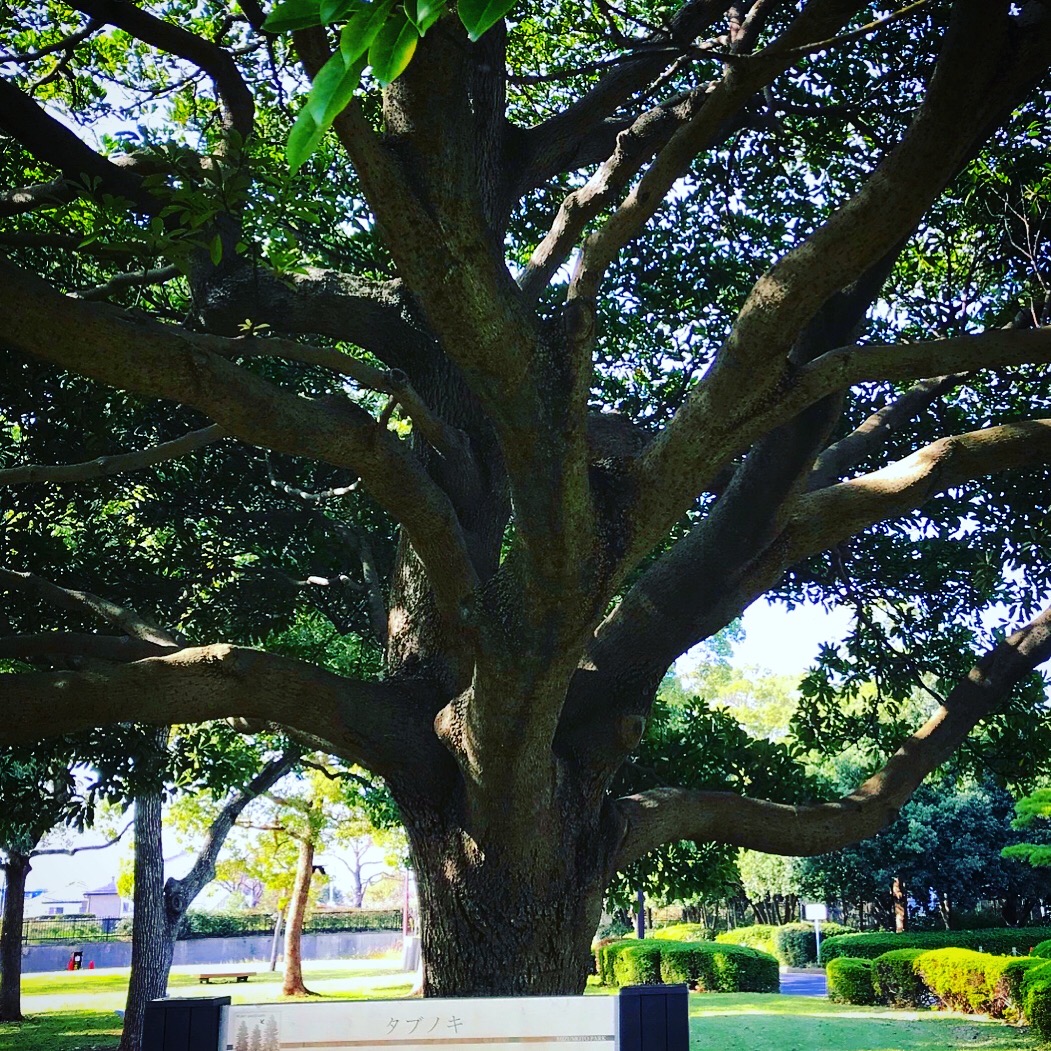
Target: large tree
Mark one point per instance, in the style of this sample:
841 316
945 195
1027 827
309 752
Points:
797 248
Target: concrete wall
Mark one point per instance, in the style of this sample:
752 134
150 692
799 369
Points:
208 951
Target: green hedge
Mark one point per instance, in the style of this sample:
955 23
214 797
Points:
965 980
684 932
759 936
236 924
850 981
1009 988
895 981
1036 999
1000 941
1042 949
640 964
794 944
712 968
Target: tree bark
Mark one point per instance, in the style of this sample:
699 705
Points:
538 900
297 910
152 934
16 869
901 905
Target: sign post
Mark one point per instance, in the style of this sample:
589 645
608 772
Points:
817 913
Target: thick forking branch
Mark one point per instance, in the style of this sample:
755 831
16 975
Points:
381 726
667 814
979 75
173 363
73 647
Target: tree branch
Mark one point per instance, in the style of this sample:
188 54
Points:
979 76
838 458
121 463
70 851
236 102
385 727
70 644
135 279
169 362
134 624
821 519
53 143
665 815
178 893
374 315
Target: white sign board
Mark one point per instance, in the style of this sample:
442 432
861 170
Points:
500 1024
815 912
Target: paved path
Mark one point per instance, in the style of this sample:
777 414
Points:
804 983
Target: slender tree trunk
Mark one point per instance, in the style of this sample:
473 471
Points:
945 911
16 869
901 905
297 910
152 935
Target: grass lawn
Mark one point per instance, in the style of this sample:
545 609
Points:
74 1011
757 1022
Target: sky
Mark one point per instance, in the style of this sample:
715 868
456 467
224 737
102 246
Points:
782 641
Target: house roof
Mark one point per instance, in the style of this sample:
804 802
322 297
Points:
109 888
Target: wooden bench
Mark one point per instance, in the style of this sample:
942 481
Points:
238 976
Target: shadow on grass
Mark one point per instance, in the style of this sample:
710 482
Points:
62 1031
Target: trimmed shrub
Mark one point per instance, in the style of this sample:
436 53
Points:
712 968
850 981
684 932
759 936
793 944
1000 941
719 968
1042 949
1036 999
1008 991
895 981
638 963
965 980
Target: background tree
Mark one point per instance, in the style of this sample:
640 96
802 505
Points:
612 331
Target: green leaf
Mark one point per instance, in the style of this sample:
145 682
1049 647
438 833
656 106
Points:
393 48
333 89
424 13
215 249
293 14
359 33
481 15
338 10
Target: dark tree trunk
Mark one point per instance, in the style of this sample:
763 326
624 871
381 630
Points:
539 902
152 933
297 911
901 905
16 869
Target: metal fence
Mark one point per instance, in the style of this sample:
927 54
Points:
76 927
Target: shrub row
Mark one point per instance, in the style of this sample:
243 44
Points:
794 944
708 967
684 932
961 979
999 941
237 924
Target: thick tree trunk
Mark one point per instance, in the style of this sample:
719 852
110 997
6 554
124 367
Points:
498 923
297 911
152 935
16 869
